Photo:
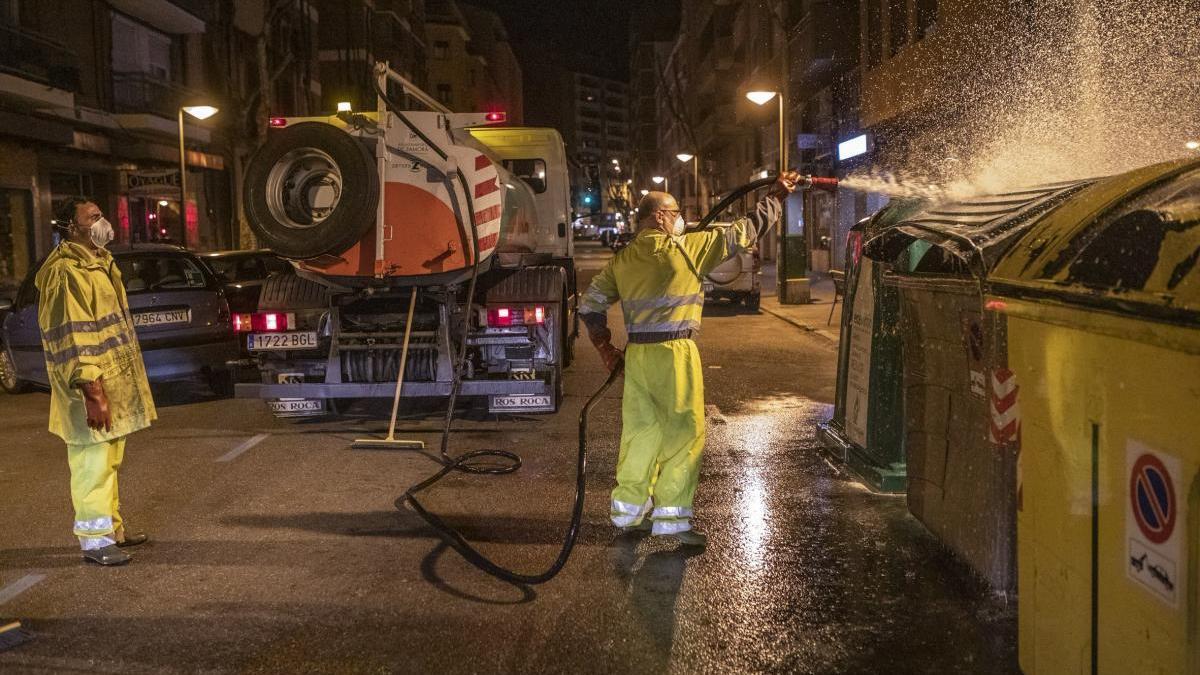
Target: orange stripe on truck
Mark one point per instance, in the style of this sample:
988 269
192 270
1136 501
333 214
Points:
482 162
488 241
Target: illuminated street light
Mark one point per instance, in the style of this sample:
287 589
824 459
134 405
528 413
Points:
200 112
645 192
658 180
616 161
684 157
163 202
760 97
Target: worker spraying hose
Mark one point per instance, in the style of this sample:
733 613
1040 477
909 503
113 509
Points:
662 263
657 279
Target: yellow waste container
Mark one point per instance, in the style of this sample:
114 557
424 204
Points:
1102 301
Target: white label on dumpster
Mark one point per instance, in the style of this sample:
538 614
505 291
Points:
858 370
1155 523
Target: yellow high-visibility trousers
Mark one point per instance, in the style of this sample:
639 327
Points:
94 491
662 436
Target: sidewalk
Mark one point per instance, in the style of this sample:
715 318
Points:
812 317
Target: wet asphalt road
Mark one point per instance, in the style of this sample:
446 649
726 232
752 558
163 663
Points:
289 556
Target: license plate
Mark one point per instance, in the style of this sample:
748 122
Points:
297 407
276 341
162 318
522 402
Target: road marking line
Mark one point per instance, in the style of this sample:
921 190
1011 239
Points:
19 586
233 454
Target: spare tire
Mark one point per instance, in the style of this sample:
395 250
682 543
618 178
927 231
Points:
311 190
727 272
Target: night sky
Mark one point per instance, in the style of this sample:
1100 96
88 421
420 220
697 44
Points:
591 35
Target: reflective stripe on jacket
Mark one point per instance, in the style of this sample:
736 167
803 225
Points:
657 277
87 332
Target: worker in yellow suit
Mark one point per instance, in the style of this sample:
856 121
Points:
657 278
99 393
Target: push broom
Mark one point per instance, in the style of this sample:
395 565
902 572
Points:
391 441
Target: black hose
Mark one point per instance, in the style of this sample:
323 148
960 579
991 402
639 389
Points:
464 463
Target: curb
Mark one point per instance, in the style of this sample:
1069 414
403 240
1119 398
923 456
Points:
801 325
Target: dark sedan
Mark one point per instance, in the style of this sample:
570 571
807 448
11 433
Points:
178 308
243 273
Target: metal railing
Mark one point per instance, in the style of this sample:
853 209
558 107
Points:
38 58
145 93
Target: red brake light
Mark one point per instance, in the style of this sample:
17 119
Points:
278 121
496 116
500 317
263 323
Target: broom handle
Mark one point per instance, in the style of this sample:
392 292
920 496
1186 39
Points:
412 305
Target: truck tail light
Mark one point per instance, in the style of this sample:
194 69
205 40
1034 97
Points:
496 116
264 322
501 317
277 122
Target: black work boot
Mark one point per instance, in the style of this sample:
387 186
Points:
129 540
691 538
109 556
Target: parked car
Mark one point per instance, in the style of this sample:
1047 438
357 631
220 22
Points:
243 274
738 279
622 241
179 312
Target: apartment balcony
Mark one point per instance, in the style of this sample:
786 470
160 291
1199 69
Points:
144 93
177 17
38 58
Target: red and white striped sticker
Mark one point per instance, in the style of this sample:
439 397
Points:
1005 409
488 200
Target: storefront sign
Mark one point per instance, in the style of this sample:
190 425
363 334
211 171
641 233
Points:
152 184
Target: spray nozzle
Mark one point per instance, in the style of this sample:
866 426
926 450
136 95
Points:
820 183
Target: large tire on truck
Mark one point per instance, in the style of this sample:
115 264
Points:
311 190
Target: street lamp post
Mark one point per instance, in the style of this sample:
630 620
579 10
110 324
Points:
200 112
782 269
686 157
663 181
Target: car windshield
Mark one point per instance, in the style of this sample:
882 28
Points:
155 272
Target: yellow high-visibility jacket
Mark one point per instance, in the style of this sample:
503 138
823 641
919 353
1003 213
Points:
658 277
87 333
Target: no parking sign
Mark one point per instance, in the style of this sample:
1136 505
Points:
1155 524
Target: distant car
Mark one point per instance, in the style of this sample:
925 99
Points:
243 274
622 240
179 312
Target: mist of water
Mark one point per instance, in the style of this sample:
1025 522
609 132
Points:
1043 91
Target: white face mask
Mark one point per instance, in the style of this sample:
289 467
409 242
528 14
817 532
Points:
680 225
101 232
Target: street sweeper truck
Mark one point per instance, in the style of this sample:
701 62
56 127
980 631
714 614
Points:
429 248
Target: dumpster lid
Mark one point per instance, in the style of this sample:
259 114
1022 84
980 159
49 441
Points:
1129 243
979 229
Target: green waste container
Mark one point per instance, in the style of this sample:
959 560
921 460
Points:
865 431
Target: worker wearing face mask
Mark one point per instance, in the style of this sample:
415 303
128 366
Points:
99 391
657 278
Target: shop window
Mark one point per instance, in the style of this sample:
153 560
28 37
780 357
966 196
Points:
897 25
874 32
927 14
16 234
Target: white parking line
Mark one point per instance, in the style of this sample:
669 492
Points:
233 454
19 586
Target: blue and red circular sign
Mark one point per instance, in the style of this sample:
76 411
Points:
1153 496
